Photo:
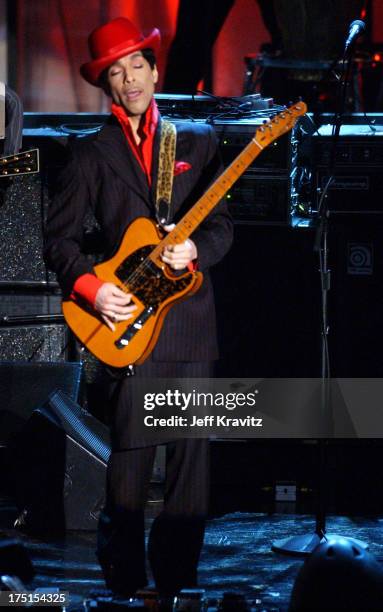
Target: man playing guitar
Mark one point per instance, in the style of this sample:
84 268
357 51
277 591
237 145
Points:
114 174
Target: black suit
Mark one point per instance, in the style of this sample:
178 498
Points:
104 174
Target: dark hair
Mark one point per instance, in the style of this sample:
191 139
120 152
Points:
147 54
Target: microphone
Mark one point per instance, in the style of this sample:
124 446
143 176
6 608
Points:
357 28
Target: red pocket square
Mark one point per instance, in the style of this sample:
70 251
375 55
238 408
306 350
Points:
181 166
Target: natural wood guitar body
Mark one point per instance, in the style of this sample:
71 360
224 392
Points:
155 290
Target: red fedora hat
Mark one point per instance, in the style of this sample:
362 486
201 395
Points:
113 40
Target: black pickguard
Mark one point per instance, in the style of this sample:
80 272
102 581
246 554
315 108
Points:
146 280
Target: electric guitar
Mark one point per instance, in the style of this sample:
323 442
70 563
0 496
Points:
25 162
137 267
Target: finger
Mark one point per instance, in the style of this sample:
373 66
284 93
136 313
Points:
183 247
115 309
167 259
169 228
176 265
121 293
113 303
115 317
108 322
114 300
177 253
176 257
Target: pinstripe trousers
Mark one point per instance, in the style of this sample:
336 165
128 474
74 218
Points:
176 534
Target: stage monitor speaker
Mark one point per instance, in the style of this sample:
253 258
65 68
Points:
58 462
24 386
58 466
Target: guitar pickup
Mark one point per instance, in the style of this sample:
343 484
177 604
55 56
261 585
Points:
126 337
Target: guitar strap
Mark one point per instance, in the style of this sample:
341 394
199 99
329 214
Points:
165 172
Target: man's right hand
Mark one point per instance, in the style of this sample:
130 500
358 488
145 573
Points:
113 304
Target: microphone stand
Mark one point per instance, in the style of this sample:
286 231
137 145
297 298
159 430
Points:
303 545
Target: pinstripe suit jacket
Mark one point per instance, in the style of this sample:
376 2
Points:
103 174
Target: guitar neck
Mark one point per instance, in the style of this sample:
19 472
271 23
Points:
265 134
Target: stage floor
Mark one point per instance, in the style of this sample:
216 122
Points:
236 556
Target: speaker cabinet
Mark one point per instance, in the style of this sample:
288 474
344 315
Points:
356 297
23 202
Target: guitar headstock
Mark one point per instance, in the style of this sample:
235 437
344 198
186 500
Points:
282 123
25 162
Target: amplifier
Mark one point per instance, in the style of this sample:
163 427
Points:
357 187
260 199
234 136
24 201
260 196
354 190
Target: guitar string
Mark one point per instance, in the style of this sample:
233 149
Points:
146 263
136 275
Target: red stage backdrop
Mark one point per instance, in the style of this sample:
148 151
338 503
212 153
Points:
52 44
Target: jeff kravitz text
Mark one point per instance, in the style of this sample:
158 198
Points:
206 421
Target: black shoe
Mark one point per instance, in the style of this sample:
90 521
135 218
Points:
120 582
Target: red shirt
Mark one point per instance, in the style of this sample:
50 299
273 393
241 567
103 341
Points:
147 128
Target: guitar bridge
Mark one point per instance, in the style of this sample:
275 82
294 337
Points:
126 337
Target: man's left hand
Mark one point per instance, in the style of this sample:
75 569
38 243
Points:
178 256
